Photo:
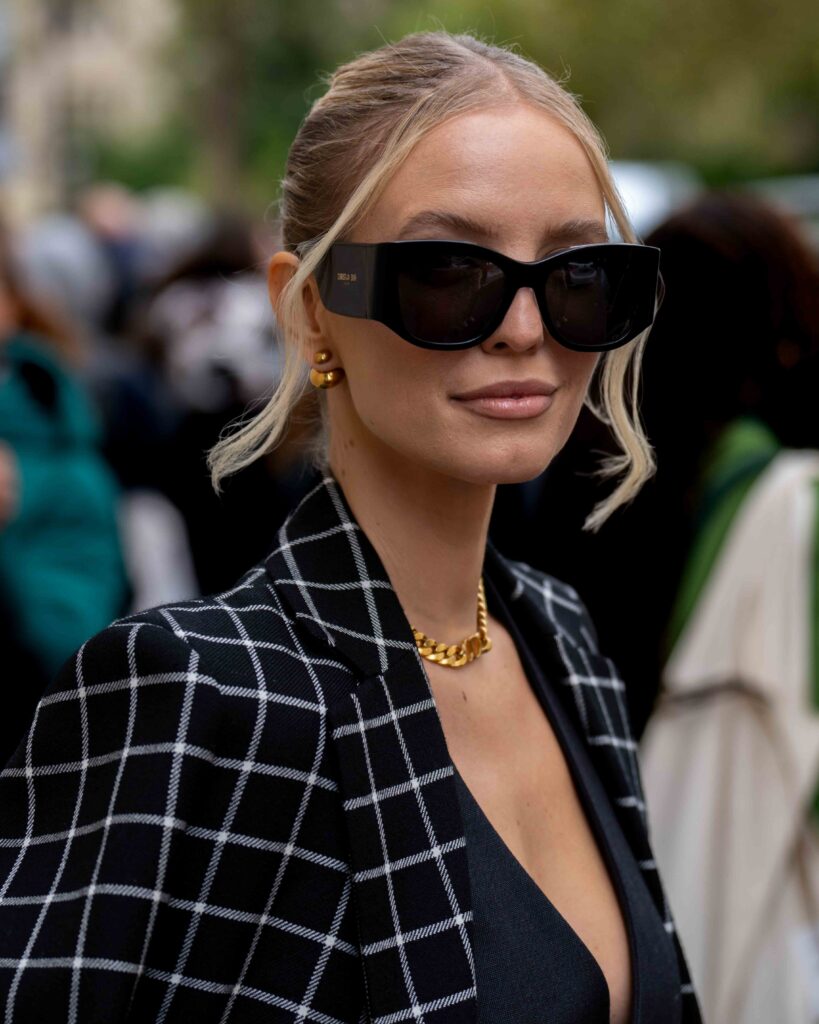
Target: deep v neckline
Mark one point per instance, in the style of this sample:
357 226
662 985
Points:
561 727
507 853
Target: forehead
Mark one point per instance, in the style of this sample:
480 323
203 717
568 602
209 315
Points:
513 168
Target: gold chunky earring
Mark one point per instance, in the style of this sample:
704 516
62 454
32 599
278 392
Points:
325 378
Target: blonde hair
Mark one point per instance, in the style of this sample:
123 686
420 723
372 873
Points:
354 137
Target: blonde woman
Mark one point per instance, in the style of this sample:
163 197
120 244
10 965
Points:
388 776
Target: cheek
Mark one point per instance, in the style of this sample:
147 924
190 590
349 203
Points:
577 370
393 384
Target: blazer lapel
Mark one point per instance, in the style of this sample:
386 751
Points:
556 625
406 838
406 841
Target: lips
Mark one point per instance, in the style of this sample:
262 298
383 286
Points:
509 389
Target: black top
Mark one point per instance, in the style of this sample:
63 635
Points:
530 963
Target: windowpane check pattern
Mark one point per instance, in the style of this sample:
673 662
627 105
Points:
241 808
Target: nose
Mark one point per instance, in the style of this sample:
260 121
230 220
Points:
522 327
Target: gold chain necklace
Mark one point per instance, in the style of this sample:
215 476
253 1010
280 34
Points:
456 655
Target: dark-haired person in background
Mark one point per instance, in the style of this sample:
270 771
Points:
742 307
730 754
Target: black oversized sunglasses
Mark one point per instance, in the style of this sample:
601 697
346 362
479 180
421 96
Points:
449 294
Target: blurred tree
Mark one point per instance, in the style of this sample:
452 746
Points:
731 86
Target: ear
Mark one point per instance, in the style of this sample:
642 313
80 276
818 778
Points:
281 268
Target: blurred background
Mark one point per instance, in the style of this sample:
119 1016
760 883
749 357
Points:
141 146
206 96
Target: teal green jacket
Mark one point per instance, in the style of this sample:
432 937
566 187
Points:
61 567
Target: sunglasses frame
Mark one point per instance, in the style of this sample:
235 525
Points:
360 279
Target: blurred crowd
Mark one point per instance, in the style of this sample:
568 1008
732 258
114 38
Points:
135 328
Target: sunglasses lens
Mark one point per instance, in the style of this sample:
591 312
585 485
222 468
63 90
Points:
597 300
447 297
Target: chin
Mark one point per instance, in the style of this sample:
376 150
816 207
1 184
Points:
504 466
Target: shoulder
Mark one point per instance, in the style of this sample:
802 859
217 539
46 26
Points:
558 600
229 672
228 630
227 653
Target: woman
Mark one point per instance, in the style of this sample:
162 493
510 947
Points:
265 794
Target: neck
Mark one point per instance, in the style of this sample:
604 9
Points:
428 529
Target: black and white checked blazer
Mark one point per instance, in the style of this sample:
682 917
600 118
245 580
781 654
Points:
242 808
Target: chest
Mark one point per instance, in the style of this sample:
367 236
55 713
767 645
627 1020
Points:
506 750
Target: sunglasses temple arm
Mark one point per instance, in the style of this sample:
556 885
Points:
346 280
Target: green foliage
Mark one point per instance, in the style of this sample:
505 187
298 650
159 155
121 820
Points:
166 158
730 86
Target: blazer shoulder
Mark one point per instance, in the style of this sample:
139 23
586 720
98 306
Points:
240 643
245 635
559 600
219 665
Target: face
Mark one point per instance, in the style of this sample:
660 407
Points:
517 177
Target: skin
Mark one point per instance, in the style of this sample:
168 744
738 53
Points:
420 472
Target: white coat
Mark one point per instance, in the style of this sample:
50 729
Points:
730 761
